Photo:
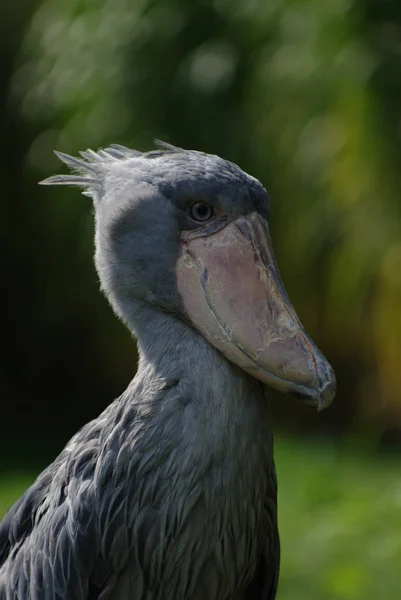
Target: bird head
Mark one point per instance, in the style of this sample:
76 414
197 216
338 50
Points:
187 232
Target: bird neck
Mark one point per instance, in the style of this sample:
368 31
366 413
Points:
171 350
198 402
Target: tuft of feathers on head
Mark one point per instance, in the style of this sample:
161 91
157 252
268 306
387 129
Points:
167 147
87 171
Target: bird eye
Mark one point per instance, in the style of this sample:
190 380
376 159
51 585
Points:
200 211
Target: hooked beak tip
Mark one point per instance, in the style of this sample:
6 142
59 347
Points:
320 395
327 395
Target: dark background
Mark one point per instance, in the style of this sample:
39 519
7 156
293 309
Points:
306 96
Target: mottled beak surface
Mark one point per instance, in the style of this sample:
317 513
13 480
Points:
233 295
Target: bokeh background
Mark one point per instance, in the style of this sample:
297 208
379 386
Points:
306 96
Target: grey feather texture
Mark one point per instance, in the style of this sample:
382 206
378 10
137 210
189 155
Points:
88 172
170 494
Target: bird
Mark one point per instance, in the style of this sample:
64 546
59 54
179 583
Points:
171 493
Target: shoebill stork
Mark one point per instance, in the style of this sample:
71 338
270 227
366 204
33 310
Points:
170 494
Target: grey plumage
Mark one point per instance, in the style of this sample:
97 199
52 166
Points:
170 494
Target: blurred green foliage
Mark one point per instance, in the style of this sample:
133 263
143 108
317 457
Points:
340 519
340 523
298 92
301 93
306 96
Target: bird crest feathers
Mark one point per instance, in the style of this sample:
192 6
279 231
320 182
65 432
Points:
86 171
